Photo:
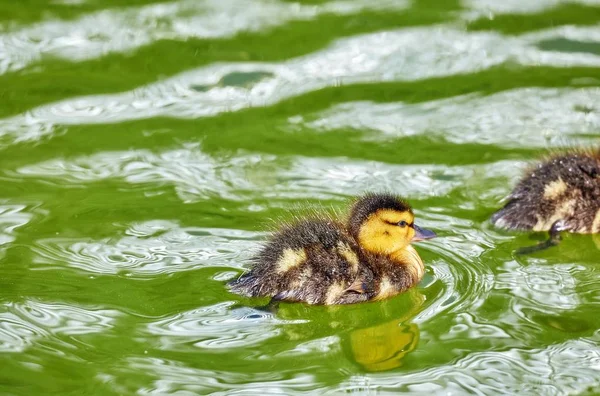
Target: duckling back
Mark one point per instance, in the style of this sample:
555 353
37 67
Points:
564 188
314 260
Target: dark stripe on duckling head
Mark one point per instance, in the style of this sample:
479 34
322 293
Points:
371 203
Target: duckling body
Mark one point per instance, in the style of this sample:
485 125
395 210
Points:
321 260
560 194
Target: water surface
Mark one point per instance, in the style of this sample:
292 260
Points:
147 147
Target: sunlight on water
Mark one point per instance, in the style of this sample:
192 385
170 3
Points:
489 8
87 37
522 117
217 327
11 217
194 174
171 377
536 371
149 249
405 54
26 324
198 176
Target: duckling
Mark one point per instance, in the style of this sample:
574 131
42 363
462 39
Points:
561 193
321 260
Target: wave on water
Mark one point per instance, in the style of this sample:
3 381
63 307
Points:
134 27
219 326
197 176
148 249
24 324
402 55
524 117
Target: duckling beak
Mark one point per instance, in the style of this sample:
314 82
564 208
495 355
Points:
422 234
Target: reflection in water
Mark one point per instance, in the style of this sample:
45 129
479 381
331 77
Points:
383 347
194 174
596 239
171 377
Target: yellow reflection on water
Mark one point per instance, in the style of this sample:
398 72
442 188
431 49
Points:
384 346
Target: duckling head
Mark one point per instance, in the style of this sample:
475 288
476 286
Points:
384 224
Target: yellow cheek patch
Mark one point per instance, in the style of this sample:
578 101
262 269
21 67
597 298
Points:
555 189
291 258
376 235
348 254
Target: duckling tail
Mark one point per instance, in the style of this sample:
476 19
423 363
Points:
245 285
515 215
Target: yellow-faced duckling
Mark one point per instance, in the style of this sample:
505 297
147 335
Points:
320 260
561 193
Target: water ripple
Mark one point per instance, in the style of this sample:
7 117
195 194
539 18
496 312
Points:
12 216
23 324
150 248
458 265
197 176
489 8
575 365
134 27
217 327
174 377
541 286
194 174
401 55
525 117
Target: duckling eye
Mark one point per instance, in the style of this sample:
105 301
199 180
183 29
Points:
402 224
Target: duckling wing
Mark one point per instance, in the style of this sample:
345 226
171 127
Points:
313 261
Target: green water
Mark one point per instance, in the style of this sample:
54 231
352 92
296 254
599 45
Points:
147 148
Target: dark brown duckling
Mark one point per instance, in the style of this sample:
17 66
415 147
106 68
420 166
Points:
561 193
320 260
